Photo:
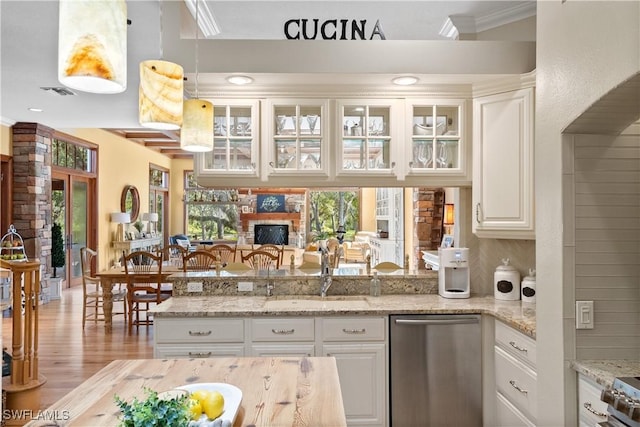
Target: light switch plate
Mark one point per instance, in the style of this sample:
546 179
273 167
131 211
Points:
194 287
245 286
584 314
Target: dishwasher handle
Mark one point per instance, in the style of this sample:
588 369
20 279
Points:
457 321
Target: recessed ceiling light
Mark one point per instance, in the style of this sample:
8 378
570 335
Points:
239 80
405 81
36 110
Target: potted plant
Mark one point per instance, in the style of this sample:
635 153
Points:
57 248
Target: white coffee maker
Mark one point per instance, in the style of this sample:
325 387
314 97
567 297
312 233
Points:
453 274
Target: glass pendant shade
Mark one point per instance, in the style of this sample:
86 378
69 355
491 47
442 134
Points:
196 134
92 45
161 95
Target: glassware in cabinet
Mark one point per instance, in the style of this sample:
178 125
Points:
297 139
366 142
235 141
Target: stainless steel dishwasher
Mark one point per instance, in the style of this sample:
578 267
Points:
436 370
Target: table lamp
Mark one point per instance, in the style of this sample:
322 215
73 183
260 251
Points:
151 218
448 217
120 218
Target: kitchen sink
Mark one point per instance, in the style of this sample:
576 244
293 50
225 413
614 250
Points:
315 302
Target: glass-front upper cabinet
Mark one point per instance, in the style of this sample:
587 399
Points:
297 131
436 130
367 136
236 138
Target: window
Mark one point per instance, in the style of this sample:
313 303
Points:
210 214
159 196
329 209
70 155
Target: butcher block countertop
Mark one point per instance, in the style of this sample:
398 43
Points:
276 391
519 315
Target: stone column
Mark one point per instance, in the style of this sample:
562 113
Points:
426 221
32 190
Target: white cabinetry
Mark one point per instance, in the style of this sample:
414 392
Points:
198 337
436 143
296 142
591 410
503 165
282 336
369 134
389 222
359 346
515 377
235 144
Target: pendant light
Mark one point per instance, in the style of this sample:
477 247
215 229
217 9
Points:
196 134
92 45
161 92
160 95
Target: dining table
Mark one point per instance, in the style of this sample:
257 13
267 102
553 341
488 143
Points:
116 275
272 391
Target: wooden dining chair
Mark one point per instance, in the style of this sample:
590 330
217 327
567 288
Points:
261 260
174 254
199 261
143 271
225 253
92 290
276 250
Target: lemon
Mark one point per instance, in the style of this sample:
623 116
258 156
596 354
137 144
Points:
199 395
195 409
213 405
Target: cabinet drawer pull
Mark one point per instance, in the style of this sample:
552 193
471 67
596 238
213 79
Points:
478 213
514 385
199 333
199 354
588 407
517 347
354 331
283 331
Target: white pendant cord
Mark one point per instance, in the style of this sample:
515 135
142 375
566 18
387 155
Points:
197 49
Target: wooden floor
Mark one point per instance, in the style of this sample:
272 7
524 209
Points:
68 355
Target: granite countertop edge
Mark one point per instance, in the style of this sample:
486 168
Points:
604 371
516 314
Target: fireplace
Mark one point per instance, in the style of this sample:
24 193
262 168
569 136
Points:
275 234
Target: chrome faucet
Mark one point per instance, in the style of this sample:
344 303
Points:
270 285
325 274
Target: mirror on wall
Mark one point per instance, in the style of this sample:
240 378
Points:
130 202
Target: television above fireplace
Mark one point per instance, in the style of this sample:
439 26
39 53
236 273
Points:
275 234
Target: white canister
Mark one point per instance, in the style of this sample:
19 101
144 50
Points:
506 282
529 287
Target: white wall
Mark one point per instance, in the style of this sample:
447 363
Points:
584 49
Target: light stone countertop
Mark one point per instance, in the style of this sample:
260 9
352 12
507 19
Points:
520 316
604 372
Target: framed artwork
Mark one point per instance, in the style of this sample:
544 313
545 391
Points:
447 241
270 203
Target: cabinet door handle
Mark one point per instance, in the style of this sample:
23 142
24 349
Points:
283 331
514 385
354 331
411 164
393 165
199 354
588 407
273 165
199 333
517 347
478 213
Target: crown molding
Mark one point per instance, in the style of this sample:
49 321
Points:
505 84
505 16
4 121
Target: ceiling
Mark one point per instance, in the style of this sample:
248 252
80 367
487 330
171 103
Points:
251 41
